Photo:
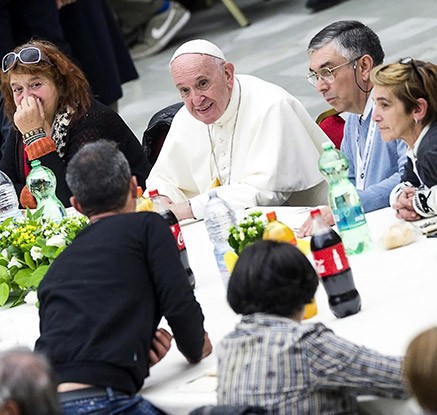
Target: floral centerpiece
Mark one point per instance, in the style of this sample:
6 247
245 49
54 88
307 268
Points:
249 230
28 246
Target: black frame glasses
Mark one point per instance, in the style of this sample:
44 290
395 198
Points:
29 55
326 74
410 61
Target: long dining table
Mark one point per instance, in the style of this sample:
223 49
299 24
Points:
398 289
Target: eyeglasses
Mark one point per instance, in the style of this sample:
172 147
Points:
410 61
326 74
29 55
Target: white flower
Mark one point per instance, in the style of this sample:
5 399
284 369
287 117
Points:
35 253
56 240
31 298
14 262
4 253
5 234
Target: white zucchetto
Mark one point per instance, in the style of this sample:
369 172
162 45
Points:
198 46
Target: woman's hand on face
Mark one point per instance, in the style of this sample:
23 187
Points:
29 115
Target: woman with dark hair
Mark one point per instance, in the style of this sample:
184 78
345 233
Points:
273 361
405 95
49 101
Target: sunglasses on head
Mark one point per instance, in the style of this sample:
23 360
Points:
28 56
410 61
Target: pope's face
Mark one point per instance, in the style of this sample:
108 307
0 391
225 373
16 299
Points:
205 84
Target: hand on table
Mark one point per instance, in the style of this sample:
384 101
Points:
161 344
404 205
307 226
29 115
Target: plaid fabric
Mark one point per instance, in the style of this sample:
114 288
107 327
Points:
292 368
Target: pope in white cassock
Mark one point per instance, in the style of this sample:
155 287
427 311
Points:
248 136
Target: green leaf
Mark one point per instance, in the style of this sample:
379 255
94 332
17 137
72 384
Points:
38 275
29 261
23 277
49 251
4 293
4 274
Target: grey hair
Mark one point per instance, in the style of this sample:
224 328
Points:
98 176
352 39
27 379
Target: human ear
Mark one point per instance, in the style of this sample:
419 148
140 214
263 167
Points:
364 66
229 73
76 204
419 112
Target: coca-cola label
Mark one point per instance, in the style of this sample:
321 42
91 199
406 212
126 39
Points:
331 260
177 233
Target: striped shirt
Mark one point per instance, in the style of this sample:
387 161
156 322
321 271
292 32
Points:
292 368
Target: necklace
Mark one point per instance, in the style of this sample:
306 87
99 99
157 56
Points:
232 141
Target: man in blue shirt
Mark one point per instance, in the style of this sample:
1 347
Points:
341 57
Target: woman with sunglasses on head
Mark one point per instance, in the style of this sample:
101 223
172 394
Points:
48 99
405 96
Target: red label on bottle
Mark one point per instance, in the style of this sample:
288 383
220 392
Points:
331 260
177 233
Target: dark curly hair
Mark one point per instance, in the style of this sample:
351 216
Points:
271 277
72 85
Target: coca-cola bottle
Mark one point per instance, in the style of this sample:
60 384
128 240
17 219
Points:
169 216
332 265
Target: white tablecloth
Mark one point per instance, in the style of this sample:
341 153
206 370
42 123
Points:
398 290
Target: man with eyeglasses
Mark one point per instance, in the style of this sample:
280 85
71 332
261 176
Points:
341 57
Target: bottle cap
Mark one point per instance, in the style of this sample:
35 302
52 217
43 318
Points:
327 144
153 193
35 163
271 216
315 212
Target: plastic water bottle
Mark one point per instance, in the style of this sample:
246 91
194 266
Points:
41 182
8 199
344 201
218 218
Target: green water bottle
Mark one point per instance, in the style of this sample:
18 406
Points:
41 182
344 201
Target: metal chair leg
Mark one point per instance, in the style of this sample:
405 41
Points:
236 12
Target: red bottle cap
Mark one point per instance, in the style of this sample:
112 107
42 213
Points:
271 216
315 212
153 193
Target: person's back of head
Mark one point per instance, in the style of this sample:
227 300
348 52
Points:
99 176
352 39
420 368
27 384
271 277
